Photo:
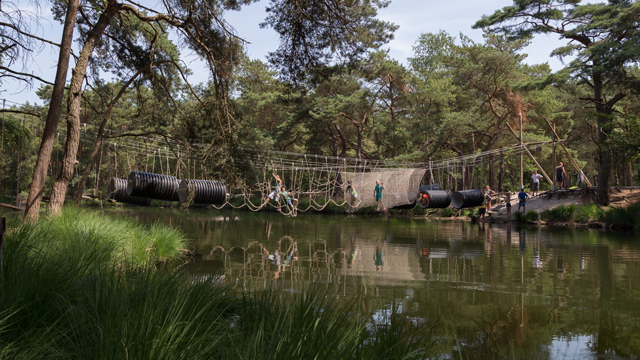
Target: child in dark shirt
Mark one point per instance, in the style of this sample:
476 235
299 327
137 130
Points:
522 196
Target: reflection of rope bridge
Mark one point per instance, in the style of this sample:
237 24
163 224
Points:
453 264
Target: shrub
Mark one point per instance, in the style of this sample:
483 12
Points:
623 218
561 213
586 213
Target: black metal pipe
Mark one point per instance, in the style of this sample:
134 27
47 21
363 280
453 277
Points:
153 186
430 187
434 199
205 191
117 191
467 198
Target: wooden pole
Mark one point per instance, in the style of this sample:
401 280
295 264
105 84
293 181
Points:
531 156
566 151
521 160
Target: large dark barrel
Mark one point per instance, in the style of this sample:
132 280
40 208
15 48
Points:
424 188
435 199
118 192
206 191
153 186
467 198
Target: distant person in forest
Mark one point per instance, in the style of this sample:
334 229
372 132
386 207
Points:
377 193
487 198
508 205
275 194
560 174
522 196
536 183
353 197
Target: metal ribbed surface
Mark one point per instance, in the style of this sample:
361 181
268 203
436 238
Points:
467 198
438 199
206 191
118 192
153 186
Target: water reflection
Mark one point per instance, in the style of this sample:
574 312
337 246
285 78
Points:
501 291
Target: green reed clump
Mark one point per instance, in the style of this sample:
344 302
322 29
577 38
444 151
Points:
529 216
561 213
76 231
586 213
623 218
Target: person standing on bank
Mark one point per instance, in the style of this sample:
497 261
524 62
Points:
522 196
377 193
536 182
487 198
560 174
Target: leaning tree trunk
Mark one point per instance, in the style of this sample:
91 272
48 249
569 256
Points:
98 143
74 106
51 124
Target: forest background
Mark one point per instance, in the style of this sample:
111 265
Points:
328 89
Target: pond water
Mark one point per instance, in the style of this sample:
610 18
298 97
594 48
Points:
498 291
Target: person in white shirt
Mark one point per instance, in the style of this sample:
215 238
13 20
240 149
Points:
536 182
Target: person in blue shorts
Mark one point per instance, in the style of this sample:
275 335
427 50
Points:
378 195
522 196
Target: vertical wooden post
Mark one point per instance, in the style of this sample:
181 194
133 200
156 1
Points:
3 227
553 158
2 144
521 159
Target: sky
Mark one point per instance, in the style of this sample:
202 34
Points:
414 17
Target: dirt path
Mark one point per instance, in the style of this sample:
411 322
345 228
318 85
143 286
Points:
620 197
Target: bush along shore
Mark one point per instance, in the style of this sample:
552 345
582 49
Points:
84 286
619 218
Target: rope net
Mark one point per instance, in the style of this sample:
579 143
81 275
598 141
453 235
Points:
401 186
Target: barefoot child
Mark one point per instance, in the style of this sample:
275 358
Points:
275 194
522 196
508 205
487 197
351 191
291 201
378 195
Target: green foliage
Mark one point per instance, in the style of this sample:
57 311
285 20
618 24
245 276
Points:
561 213
529 216
624 218
586 213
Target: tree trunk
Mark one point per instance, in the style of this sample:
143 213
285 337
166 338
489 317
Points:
74 106
628 174
501 175
98 142
604 156
51 124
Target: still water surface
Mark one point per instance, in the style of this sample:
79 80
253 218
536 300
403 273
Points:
499 291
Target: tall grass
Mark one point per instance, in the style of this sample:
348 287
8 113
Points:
83 287
78 231
624 218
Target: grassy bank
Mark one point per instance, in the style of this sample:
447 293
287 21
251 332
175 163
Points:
615 217
86 287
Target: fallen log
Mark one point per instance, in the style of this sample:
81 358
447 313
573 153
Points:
12 207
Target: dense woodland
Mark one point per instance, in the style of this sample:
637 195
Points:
330 89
